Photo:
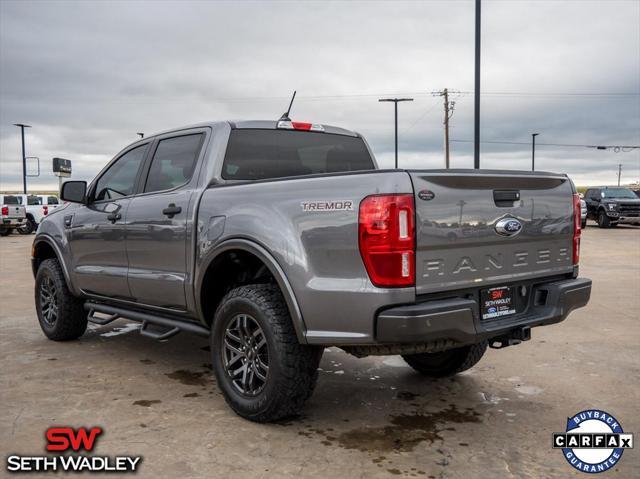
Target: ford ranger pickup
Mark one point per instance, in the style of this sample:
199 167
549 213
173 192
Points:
276 239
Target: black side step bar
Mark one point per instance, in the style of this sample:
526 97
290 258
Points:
175 325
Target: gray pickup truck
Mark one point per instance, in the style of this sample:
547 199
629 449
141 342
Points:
276 239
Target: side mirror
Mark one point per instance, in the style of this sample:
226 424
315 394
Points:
74 191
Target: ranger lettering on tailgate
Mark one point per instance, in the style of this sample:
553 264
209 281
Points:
494 262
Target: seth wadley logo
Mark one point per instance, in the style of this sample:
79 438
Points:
64 440
593 441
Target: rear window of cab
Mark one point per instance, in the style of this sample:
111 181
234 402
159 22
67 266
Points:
254 154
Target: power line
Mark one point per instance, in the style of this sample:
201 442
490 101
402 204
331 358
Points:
347 96
424 113
616 148
554 94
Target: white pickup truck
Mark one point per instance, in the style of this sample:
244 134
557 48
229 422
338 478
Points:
37 208
12 213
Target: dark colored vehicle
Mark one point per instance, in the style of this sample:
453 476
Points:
278 239
612 205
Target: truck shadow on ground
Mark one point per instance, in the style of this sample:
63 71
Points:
376 405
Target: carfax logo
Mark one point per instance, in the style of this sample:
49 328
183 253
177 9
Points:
593 441
66 440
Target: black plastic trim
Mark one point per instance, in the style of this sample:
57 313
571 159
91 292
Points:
457 318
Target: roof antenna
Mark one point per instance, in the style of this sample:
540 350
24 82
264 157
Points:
285 115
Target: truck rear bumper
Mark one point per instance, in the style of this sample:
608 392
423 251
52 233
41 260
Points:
458 319
12 222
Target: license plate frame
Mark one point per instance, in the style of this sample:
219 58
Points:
497 303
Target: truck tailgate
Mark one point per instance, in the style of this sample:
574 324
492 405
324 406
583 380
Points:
14 212
458 244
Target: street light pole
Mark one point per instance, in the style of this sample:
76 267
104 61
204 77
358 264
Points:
476 98
396 101
619 172
533 151
24 157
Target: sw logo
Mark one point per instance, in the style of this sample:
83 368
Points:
593 441
64 439
497 294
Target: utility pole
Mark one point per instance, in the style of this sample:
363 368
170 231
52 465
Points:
619 172
533 151
476 98
448 113
396 101
24 157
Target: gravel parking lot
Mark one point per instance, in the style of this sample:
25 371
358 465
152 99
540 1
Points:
368 417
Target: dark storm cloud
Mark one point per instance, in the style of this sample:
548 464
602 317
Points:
89 75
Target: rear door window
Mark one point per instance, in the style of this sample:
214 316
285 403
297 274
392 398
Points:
254 154
173 162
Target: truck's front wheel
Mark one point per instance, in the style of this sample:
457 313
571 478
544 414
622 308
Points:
264 372
603 220
61 314
446 363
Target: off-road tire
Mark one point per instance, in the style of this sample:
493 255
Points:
28 227
603 220
293 367
5 231
71 319
447 363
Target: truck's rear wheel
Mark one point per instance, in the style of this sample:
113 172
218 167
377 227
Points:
60 314
447 363
5 231
28 227
603 220
263 371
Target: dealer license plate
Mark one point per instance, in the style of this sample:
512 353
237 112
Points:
497 302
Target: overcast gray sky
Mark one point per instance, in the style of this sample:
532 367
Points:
89 75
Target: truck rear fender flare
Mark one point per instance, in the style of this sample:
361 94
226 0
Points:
272 265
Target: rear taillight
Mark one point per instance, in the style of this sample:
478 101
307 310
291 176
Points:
576 228
387 239
5 211
45 210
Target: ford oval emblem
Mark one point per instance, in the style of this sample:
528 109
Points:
508 227
426 195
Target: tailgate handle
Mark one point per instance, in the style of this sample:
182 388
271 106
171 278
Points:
506 198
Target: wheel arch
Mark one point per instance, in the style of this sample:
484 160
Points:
45 248
261 254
